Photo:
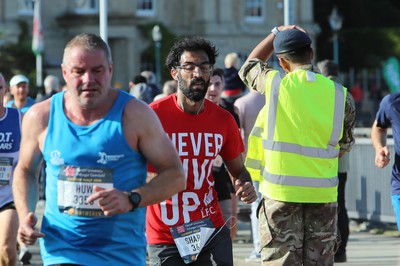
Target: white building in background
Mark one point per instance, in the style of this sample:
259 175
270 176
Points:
233 25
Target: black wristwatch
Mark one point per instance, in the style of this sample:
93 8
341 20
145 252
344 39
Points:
135 199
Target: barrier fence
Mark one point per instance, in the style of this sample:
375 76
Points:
368 194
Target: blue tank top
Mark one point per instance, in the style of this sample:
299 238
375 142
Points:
24 109
10 138
116 240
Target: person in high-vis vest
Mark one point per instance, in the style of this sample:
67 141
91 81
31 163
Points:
307 124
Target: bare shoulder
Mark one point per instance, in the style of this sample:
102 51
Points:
38 115
136 111
139 122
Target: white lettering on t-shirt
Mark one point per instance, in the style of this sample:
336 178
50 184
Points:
197 152
191 143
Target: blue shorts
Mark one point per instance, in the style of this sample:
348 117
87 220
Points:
396 207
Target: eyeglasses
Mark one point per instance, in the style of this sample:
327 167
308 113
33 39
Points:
205 68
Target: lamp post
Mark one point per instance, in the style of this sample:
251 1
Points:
336 22
157 37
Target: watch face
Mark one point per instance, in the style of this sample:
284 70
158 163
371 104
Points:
135 199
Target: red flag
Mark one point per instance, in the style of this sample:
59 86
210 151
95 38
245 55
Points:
37 32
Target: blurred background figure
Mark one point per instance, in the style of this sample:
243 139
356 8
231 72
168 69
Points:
234 86
247 108
51 87
169 87
152 82
7 97
331 70
140 89
358 95
19 88
227 198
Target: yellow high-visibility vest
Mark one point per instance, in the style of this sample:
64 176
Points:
301 126
255 155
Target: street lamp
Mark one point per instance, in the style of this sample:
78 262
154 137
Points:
157 37
336 22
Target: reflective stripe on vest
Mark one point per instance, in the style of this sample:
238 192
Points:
293 187
254 159
330 151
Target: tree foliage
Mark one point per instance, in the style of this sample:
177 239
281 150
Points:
17 58
370 32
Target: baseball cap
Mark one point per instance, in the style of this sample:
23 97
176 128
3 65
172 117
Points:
290 40
18 79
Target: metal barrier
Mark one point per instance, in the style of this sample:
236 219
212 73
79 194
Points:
368 194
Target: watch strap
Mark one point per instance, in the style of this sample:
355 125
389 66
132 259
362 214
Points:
275 31
135 199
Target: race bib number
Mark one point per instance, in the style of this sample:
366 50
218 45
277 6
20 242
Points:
76 184
190 238
6 167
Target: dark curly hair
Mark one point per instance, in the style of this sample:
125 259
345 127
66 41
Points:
190 44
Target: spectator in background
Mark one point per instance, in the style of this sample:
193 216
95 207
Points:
247 107
51 87
140 89
169 87
331 70
358 96
7 97
234 86
152 82
19 88
223 183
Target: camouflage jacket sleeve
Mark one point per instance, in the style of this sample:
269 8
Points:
254 74
347 140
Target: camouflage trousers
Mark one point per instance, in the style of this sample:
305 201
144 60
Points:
297 233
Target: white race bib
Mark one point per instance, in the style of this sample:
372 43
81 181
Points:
190 238
76 184
6 168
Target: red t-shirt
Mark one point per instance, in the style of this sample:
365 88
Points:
198 140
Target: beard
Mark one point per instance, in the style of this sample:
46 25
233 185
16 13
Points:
190 93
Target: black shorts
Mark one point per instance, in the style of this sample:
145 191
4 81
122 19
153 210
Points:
8 206
217 252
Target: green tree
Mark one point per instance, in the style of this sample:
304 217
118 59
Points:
18 58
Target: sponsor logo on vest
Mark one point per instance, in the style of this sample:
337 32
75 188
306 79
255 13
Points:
6 141
105 158
55 158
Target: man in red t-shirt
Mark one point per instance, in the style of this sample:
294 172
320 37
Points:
189 227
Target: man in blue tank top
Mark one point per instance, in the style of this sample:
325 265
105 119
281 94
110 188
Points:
95 141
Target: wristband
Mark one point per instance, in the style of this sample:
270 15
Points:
275 31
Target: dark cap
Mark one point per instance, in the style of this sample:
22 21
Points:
290 40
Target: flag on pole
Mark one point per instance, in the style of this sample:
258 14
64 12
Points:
37 32
391 73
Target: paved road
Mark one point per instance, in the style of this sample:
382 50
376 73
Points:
363 248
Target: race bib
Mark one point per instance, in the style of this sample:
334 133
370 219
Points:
6 167
190 238
76 184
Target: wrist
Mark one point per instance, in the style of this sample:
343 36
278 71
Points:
275 31
134 198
